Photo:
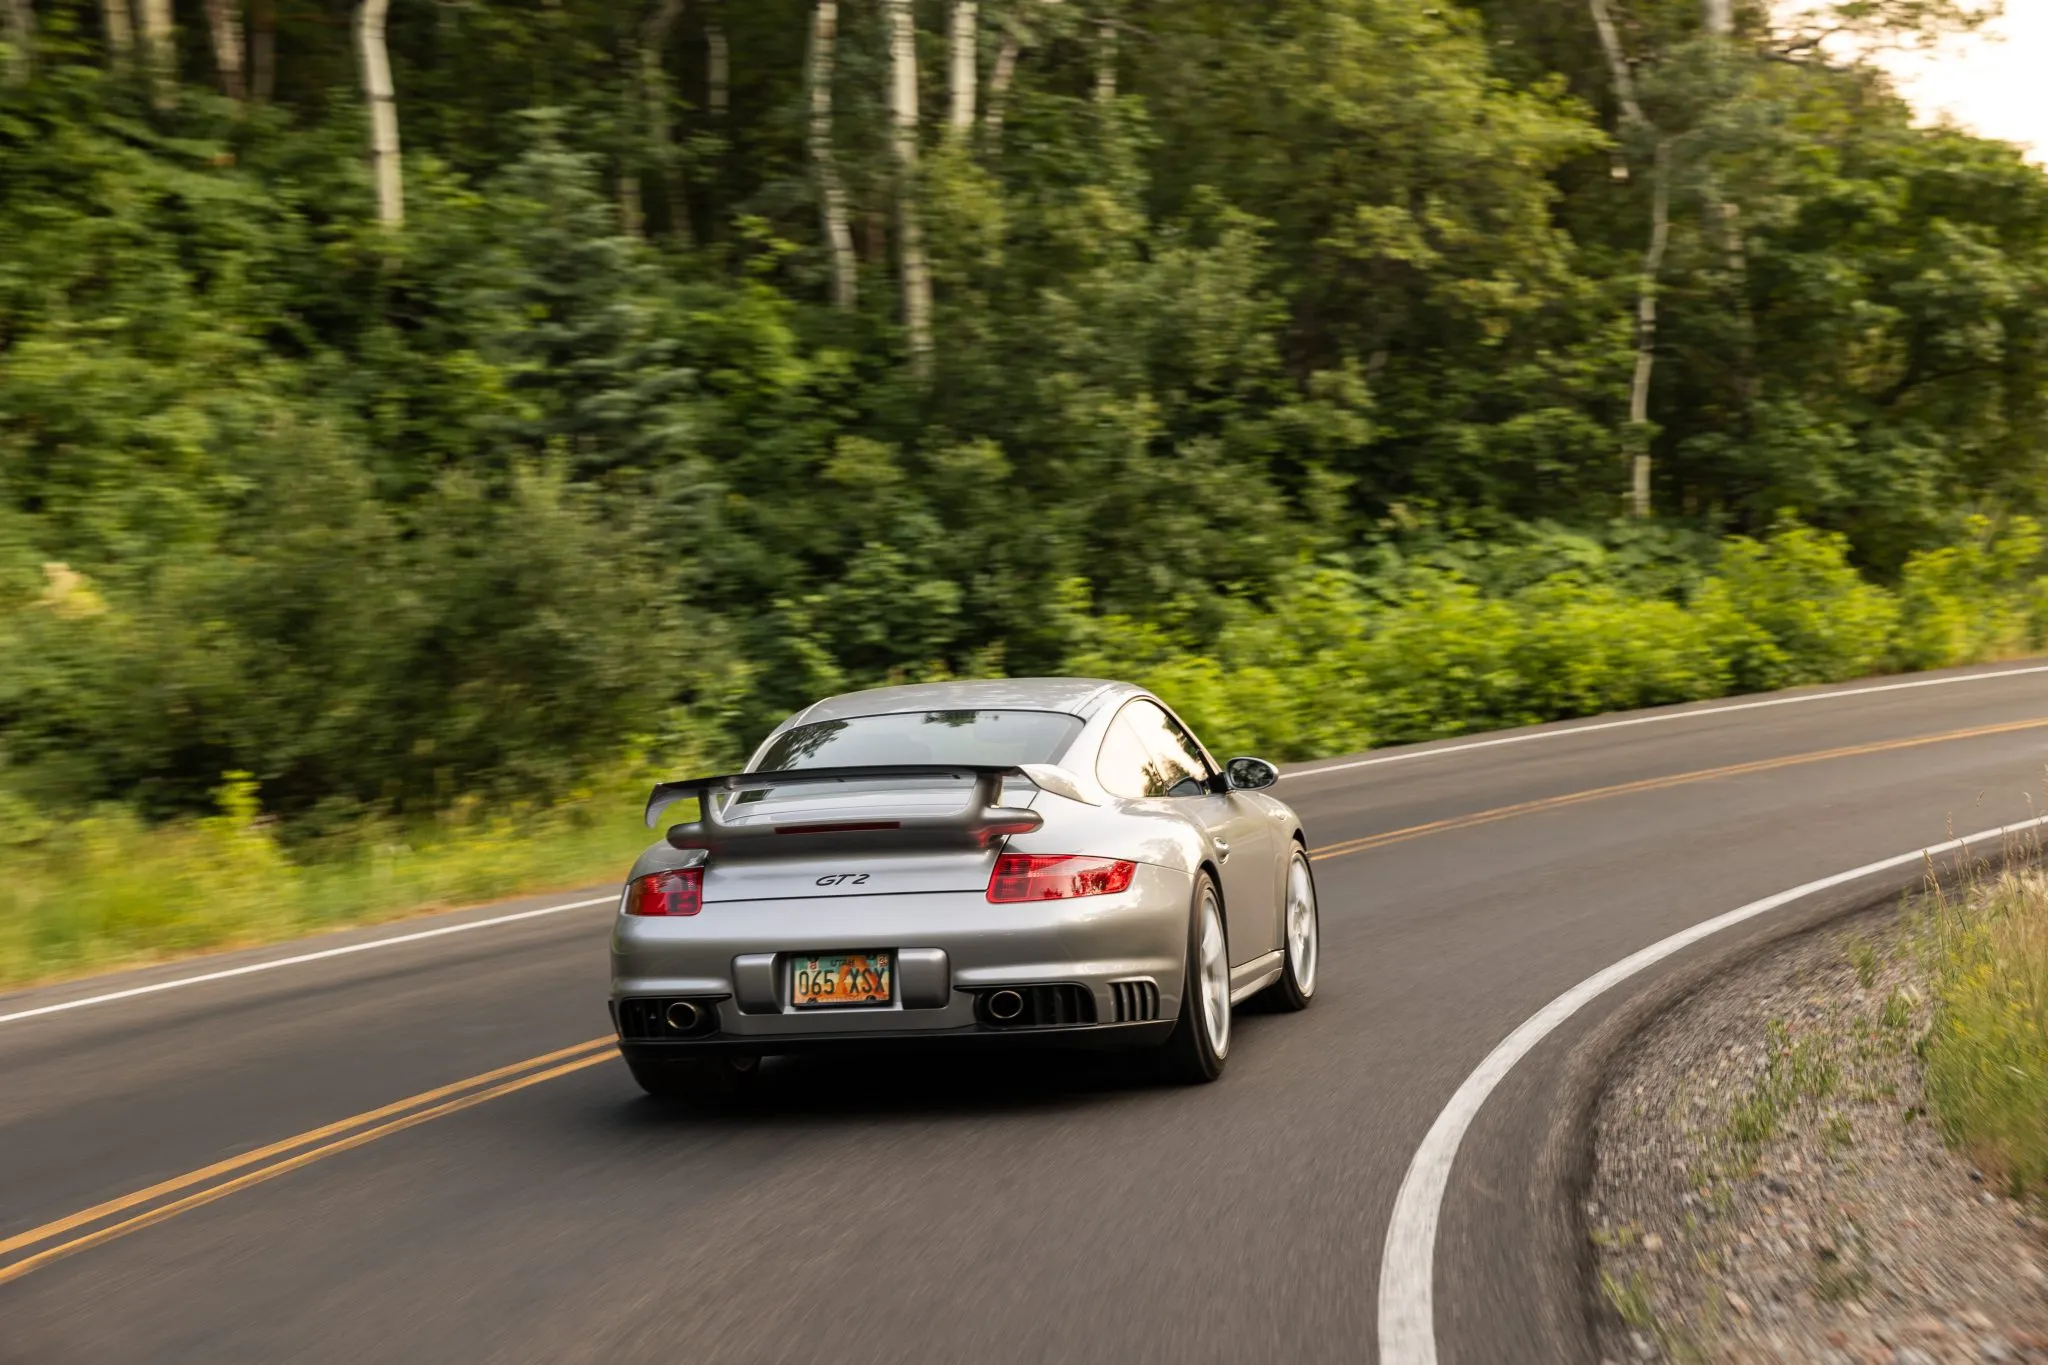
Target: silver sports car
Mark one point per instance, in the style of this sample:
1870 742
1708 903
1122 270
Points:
1030 860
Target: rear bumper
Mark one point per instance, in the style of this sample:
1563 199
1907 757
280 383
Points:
954 948
1079 1037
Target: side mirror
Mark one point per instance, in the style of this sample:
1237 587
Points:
1250 774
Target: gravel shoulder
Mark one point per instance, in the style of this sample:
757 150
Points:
1768 1186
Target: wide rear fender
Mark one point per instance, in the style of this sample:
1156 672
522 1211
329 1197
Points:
1139 832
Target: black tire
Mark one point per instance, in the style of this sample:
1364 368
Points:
1191 1054
705 1082
1297 983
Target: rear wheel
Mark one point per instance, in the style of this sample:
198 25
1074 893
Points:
1297 983
1195 1051
704 1081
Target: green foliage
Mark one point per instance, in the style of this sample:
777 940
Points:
1292 380
1971 600
1791 610
1340 660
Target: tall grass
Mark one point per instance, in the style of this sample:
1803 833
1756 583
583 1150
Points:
1987 1050
108 889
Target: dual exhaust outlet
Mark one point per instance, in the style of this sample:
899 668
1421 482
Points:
1004 1005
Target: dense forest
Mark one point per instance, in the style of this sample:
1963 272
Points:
418 401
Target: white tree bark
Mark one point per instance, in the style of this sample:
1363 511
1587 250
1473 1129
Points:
119 29
999 86
661 143
1105 63
824 162
383 101
263 50
20 34
911 263
963 75
1015 38
1720 17
717 68
1617 63
1653 260
224 27
631 220
1646 331
157 48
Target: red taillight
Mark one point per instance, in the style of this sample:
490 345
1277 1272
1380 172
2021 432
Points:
1057 876
680 892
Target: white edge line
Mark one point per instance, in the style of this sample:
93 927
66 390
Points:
300 958
1407 1305
394 941
1660 719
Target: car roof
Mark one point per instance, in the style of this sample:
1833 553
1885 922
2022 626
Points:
1074 696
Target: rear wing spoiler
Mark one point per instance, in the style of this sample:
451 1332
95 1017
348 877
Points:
980 822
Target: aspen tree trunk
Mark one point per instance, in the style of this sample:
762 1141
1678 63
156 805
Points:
1719 19
263 51
1653 262
717 69
1617 63
1015 38
1105 63
824 164
383 101
157 50
963 74
630 218
224 27
999 86
118 26
661 145
1646 331
718 88
911 264
20 33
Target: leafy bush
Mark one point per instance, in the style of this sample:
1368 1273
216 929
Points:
1418 651
1790 610
1970 600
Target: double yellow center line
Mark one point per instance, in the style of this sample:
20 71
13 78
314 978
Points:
1651 784
103 1222
28 1251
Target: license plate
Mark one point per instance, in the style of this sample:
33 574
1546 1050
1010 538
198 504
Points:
821 979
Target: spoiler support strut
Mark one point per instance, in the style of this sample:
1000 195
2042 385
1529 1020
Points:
979 823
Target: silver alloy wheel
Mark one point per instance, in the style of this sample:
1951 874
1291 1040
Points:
1302 946
1214 961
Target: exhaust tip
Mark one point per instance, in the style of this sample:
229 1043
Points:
1005 1005
682 1016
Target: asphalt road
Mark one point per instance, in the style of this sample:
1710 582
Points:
914 1210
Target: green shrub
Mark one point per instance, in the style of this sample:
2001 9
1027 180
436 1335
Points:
1791 610
1971 600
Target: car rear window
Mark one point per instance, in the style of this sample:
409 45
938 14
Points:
990 738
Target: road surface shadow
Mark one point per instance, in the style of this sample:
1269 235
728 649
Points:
811 1090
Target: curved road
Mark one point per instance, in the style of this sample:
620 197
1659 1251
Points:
406 1153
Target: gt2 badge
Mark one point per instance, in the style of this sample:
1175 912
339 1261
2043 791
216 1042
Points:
842 879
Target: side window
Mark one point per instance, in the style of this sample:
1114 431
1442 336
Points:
1125 767
1147 754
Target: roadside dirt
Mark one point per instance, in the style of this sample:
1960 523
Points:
1768 1187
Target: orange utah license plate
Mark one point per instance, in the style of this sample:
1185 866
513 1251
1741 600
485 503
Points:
841 979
